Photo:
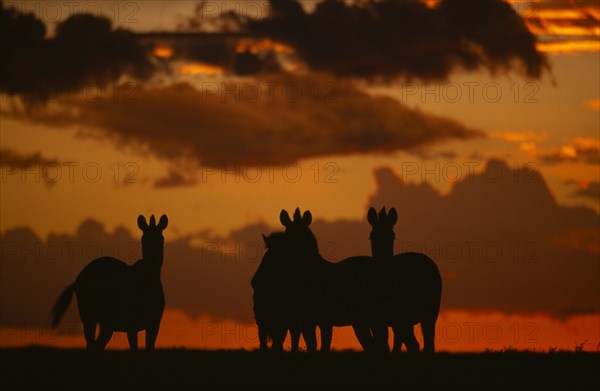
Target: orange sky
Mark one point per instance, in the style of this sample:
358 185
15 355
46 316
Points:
456 332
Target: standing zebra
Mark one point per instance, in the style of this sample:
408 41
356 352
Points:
118 296
409 273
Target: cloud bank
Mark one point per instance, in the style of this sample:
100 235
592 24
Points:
390 39
274 120
382 39
499 238
84 51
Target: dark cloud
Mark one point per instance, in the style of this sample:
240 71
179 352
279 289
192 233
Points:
35 269
10 157
174 178
499 238
430 155
248 63
14 163
276 119
580 154
555 158
202 274
586 190
389 38
209 16
375 39
84 51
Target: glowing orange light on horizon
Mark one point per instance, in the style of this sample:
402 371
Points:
261 46
593 104
431 3
558 13
568 151
523 136
456 331
528 147
163 52
563 23
562 30
200 68
577 31
556 47
292 66
527 139
587 143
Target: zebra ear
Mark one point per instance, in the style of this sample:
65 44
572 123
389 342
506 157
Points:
392 216
297 216
382 214
372 216
307 218
142 224
163 222
284 218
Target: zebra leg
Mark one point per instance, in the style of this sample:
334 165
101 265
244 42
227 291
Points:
151 335
381 336
398 339
326 334
278 334
407 334
310 338
295 336
363 334
428 328
263 337
89 331
132 337
103 337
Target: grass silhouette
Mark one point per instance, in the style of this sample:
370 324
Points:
50 368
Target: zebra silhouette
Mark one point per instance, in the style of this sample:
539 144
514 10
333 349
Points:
118 296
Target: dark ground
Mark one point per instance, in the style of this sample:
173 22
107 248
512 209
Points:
47 368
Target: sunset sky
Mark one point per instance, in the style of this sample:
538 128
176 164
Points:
478 121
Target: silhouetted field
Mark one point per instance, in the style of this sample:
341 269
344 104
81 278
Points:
46 368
